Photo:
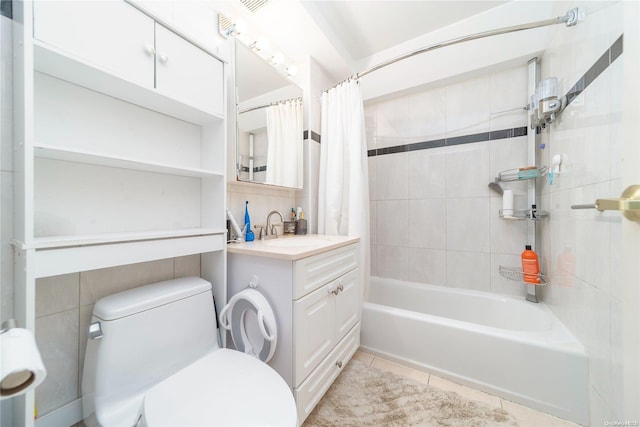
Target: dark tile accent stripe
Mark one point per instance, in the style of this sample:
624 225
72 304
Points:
314 136
465 139
391 150
596 69
255 169
616 49
427 144
6 8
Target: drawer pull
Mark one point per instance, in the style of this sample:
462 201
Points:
339 363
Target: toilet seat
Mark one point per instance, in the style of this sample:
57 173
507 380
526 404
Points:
250 318
226 388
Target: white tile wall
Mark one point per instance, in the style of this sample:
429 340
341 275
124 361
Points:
583 256
468 107
427 117
428 173
468 170
262 200
64 306
392 181
436 219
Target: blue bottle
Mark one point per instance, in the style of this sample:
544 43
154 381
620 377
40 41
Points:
249 236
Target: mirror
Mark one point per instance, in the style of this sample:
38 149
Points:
269 122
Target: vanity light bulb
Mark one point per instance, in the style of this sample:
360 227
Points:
291 70
240 27
260 44
277 58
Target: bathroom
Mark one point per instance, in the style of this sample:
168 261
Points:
433 218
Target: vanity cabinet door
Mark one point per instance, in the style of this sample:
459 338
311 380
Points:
313 330
110 35
187 73
347 303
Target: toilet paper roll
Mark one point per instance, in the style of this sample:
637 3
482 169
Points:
21 367
507 204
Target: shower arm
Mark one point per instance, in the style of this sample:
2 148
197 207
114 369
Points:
570 19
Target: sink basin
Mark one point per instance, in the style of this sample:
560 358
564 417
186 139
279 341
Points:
296 242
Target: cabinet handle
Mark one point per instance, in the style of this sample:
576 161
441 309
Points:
149 49
164 58
339 363
340 288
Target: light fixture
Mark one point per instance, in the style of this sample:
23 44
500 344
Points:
546 103
260 44
291 70
276 59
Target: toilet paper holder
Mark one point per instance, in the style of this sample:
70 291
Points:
21 367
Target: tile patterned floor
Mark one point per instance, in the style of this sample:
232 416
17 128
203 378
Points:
526 417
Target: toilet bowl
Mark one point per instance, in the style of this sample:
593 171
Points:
153 359
252 395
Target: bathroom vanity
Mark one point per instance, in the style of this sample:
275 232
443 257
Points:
313 285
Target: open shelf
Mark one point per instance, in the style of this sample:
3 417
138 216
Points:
103 159
71 254
523 214
521 174
516 274
52 61
54 242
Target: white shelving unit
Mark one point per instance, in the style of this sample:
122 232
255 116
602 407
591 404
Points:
120 148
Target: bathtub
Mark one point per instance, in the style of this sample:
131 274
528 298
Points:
505 346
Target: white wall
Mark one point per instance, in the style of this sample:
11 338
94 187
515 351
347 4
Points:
433 218
6 186
432 68
581 248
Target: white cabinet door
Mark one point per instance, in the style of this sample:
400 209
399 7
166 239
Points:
109 35
313 331
187 73
347 303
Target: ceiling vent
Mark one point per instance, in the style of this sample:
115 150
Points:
224 23
254 5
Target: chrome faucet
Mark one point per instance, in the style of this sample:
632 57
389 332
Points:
271 228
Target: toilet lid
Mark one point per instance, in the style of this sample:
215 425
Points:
252 323
226 388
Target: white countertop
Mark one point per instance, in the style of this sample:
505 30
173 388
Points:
291 247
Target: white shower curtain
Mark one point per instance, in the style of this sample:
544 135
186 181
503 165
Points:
284 149
343 193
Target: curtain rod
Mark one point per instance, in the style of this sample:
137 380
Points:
571 18
269 105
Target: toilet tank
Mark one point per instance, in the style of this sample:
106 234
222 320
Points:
148 333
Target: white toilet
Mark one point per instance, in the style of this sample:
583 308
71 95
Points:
153 359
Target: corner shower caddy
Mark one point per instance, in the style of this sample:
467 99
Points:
532 215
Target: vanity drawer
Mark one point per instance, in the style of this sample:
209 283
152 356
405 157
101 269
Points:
313 272
318 382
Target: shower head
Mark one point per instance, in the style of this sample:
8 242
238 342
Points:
495 186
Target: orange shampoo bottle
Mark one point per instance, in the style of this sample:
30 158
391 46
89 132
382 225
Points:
530 266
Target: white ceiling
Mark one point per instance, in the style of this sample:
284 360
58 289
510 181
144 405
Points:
363 28
339 34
